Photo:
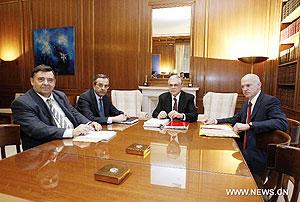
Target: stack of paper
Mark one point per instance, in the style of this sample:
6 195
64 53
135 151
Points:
156 123
217 131
95 136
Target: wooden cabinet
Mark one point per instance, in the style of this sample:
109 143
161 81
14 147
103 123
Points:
288 79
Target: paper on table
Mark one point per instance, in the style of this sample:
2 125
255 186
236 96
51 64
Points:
217 131
156 123
95 136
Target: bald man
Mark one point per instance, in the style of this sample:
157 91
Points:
259 114
176 104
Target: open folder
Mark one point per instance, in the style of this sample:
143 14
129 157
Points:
96 136
221 130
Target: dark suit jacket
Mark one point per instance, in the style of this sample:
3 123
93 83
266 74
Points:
186 105
37 123
88 106
265 117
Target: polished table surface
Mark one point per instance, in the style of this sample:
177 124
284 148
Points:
181 167
176 148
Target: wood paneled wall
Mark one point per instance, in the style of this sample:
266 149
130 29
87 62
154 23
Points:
114 37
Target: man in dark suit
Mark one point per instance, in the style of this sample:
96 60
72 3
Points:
176 104
96 105
259 114
45 114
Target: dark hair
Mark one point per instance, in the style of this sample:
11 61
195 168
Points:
42 68
100 76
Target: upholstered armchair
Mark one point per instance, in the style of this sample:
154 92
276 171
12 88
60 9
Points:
130 102
218 105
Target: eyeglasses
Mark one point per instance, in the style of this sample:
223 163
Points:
43 79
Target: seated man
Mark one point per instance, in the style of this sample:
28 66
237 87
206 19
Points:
96 105
176 104
259 114
45 114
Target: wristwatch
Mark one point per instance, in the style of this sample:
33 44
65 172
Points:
250 124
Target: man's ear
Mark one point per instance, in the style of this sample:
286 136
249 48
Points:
31 81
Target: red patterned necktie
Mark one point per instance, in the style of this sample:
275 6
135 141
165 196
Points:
247 121
175 104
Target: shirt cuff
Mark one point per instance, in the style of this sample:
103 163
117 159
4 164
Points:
68 133
109 120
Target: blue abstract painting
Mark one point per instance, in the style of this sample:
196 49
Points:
55 47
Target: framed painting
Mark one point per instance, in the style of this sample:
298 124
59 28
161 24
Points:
55 47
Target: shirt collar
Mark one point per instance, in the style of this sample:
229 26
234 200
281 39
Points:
177 96
97 96
254 99
45 98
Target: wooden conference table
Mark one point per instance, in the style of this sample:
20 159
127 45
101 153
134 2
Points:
181 167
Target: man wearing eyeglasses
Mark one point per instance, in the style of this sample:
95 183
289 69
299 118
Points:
96 105
45 114
176 104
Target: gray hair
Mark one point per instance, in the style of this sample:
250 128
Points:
175 77
253 77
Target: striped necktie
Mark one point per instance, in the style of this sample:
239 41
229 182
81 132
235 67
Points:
60 118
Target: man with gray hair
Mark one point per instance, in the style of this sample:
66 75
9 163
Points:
176 104
259 114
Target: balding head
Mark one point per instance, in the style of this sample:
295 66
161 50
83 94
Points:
251 85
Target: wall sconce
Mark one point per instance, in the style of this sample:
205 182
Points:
252 60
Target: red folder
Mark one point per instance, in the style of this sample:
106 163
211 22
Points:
178 125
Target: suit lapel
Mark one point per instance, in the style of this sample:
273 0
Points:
42 105
94 101
181 102
105 103
68 114
169 101
257 105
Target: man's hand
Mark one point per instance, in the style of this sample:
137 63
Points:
119 118
238 127
162 115
174 114
210 121
96 126
82 129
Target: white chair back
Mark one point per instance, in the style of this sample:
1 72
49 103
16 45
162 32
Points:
128 101
219 105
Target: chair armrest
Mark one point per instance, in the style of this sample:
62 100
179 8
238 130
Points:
144 115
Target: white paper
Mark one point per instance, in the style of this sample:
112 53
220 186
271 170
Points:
156 123
95 136
217 131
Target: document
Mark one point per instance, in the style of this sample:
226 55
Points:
156 123
221 130
95 136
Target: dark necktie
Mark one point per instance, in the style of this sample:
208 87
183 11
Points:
101 108
175 104
247 121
